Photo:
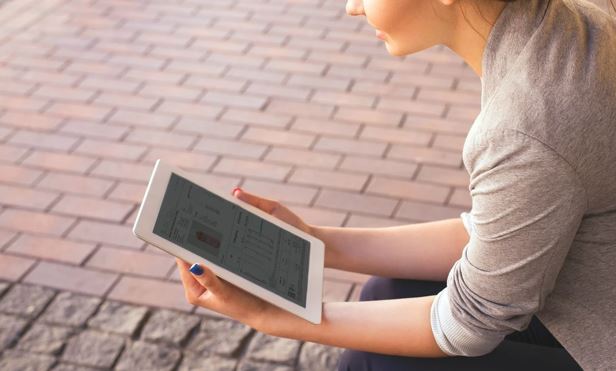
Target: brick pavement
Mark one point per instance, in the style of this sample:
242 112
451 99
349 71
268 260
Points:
290 99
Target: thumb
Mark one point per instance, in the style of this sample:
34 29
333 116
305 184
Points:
207 279
267 205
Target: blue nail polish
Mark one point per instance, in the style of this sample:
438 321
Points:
196 269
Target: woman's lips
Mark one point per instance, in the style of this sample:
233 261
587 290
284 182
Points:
380 34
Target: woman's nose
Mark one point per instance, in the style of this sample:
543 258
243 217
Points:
355 7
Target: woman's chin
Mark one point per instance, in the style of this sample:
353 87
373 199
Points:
393 50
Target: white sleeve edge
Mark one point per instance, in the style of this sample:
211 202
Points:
468 222
452 337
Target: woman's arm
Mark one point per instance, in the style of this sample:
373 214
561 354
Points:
424 251
397 327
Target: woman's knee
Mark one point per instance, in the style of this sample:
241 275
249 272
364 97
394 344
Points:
352 360
376 288
379 288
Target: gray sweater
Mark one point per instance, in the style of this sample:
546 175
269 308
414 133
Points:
542 162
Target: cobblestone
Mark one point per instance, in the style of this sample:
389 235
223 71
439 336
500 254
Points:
44 339
10 329
118 317
262 366
18 361
93 349
169 326
26 300
318 357
70 309
273 349
205 362
3 287
70 367
143 356
222 337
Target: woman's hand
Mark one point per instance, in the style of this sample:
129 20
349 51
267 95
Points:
273 208
203 288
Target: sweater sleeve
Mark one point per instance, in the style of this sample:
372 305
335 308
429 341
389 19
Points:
527 204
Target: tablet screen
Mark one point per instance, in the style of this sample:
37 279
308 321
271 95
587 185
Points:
234 238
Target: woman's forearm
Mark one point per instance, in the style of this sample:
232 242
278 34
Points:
417 251
397 327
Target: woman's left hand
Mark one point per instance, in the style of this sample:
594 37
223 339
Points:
209 291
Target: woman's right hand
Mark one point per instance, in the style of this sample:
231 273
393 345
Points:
273 208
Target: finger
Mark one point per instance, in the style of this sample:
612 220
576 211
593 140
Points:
193 288
265 204
207 278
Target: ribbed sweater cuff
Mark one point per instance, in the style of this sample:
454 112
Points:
452 337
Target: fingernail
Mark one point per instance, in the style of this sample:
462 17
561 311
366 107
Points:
196 269
235 190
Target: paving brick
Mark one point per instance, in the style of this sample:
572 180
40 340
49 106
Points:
70 278
279 137
64 94
317 82
368 116
304 157
396 135
109 149
44 140
252 168
70 309
325 127
449 96
222 337
12 268
373 205
186 160
271 90
442 175
235 100
344 99
343 145
378 166
144 291
425 155
383 89
160 138
80 111
18 175
22 103
5 238
255 74
118 318
256 118
30 120
93 130
463 113
216 84
94 349
59 161
125 101
10 153
461 197
146 119
119 235
94 68
210 128
300 108
26 300
169 327
77 184
154 76
123 171
92 208
170 91
326 178
207 362
408 189
421 212
25 197
450 142
357 73
129 192
230 147
51 248
199 110
36 222
131 262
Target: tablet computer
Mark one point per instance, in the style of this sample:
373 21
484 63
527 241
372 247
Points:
242 244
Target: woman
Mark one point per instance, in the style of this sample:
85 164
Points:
529 270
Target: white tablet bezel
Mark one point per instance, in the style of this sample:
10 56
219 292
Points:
144 226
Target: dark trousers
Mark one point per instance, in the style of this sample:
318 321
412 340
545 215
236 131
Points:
532 349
